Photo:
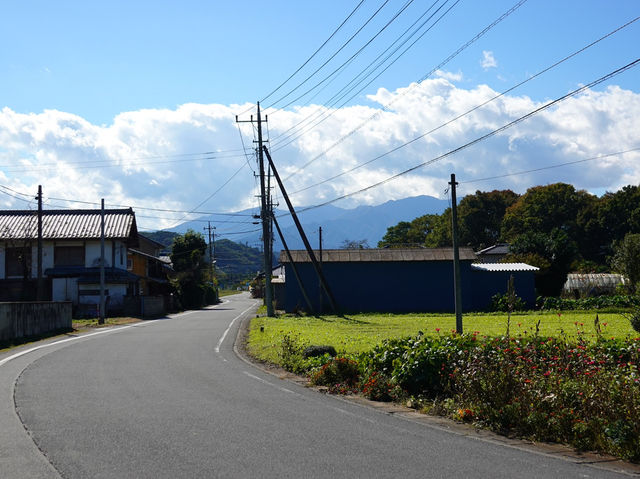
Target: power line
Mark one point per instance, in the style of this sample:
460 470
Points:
350 59
330 58
386 107
557 165
483 137
319 111
541 72
316 52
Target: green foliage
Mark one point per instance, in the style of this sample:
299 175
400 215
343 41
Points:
597 302
502 303
634 315
480 217
339 374
548 389
627 260
555 249
187 256
291 349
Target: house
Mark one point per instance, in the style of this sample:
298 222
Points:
399 280
154 271
493 254
71 252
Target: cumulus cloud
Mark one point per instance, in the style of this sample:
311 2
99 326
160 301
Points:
488 60
176 159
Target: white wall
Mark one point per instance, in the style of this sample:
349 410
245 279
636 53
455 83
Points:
64 289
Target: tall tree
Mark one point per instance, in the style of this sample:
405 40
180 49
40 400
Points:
480 217
626 260
544 208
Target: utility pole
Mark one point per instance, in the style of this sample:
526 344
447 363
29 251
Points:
320 264
456 255
40 283
102 308
212 234
265 215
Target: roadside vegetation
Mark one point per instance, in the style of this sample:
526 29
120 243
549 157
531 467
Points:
561 376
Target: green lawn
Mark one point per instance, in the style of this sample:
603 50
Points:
361 332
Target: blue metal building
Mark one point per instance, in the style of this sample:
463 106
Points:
397 280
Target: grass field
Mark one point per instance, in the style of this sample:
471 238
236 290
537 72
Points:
361 332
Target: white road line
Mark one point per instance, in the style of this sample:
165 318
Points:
30 350
264 381
224 335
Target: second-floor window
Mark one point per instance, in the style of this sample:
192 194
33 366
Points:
69 256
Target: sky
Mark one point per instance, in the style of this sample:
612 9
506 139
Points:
366 101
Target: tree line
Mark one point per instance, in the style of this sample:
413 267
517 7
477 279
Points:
554 227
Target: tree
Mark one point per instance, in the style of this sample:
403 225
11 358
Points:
355 244
410 233
553 253
626 260
187 256
545 208
480 217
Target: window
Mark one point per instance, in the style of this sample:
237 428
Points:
18 262
69 256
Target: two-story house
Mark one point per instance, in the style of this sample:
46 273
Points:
71 252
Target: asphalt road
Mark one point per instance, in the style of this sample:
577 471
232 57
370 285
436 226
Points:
170 398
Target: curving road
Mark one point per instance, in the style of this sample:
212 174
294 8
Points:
170 398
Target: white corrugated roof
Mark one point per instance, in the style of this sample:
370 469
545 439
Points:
67 224
504 267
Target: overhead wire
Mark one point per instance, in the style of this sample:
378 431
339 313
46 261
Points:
503 93
549 167
411 87
273 104
358 52
319 111
483 137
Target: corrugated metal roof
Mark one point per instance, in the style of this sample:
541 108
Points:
504 267
68 224
380 255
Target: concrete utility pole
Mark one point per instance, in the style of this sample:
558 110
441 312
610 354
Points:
320 264
212 234
265 215
102 308
456 255
40 283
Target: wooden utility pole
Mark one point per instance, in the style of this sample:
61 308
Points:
40 283
456 255
102 308
265 215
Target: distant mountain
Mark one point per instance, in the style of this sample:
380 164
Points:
368 223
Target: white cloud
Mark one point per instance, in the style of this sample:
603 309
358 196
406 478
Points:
155 158
488 60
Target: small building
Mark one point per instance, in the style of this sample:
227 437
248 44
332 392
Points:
71 256
399 280
493 254
592 284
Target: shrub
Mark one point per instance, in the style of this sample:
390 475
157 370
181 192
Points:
314 351
634 316
598 302
501 302
339 374
291 354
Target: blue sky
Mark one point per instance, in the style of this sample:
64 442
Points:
118 73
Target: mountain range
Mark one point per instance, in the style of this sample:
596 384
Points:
364 223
